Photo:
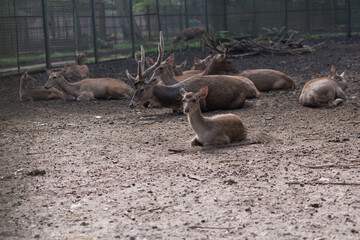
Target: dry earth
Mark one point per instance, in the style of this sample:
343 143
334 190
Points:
100 170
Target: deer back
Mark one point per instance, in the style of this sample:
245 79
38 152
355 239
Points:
76 72
268 79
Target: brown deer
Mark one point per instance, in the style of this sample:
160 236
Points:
324 92
201 64
28 93
177 69
77 71
268 79
90 88
188 34
218 64
219 129
227 94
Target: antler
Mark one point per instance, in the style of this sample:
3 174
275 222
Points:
141 72
210 42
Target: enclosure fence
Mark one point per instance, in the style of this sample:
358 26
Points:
47 33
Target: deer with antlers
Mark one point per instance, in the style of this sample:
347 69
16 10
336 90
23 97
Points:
219 63
188 34
324 92
225 94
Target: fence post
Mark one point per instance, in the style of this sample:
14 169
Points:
206 16
75 27
46 33
348 18
17 39
186 14
158 14
225 17
285 18
132 28
94 30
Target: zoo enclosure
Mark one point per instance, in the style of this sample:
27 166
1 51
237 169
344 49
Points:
46 33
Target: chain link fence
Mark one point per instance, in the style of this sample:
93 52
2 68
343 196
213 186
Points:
47 33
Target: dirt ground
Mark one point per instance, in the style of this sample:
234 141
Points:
100 170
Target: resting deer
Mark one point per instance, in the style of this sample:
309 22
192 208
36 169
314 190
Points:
90 88
28 93
268 79
219 129
201 64
218 64
177 69
225 94
324 92
77 71
188 34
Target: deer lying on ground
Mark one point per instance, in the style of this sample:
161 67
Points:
218 64
77 71
188 34
177 69
219 129
227 94
90 88
268 79
324 92
28 93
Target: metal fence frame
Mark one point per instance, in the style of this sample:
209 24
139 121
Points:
184 14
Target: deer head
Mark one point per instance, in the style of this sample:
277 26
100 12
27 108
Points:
142 85
81 58
191 101
338 78
53 79
220 62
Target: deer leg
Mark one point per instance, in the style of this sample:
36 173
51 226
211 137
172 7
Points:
85 97
195 142
337 101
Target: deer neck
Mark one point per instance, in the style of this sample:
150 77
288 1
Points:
197 121
69 88
167 96
168 78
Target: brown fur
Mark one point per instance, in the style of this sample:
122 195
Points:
219 129
28 93
324 92
91 88
268 79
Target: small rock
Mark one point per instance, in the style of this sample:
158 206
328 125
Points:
353 97
315 205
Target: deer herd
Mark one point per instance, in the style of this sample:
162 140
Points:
203 88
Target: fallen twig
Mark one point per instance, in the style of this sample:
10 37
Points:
208 227
328 166
195 178
155 209
350 160
323 183
127 215
174 151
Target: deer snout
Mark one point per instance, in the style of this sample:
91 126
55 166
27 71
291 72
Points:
46 86
131 105
186 110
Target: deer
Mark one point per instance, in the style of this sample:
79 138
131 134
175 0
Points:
215 130
177 69
201 64
28 93
325 91
77 71
218 64
188 34
267 79
90 88
225 94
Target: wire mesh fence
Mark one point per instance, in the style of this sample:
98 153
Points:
47 33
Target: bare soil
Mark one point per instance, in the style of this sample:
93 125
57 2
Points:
100 170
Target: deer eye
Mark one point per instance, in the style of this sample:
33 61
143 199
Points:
193 100
141 90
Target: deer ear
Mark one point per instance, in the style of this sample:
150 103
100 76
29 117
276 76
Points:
48 72
203 92
183 64
63 69
170 60
149 61
183 92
